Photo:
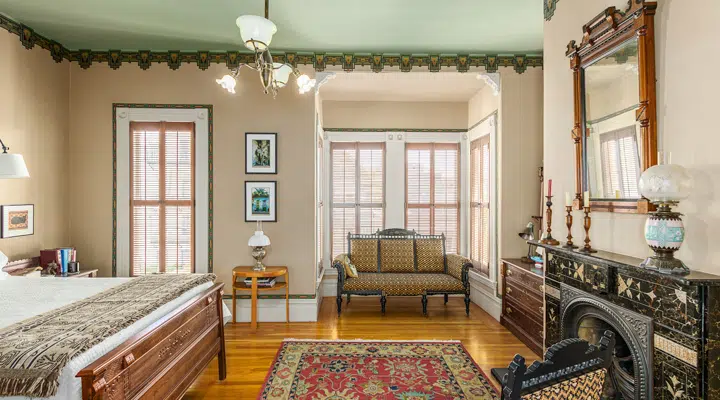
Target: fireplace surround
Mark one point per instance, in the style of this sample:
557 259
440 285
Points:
668 327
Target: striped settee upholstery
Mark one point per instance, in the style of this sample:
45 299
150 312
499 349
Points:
397 262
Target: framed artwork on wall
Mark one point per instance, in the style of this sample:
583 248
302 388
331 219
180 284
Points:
17 220
260 153
261 201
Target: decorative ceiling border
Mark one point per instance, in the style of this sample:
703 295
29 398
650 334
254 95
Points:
319 60
393 130
549 6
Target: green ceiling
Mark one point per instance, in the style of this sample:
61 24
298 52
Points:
409 26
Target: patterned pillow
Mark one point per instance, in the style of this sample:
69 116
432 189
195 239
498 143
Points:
396 255
350 270
430 256
364 254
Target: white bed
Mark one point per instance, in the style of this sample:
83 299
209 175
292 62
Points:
22 298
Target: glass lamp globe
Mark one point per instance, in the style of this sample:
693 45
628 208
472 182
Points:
227 82
665 183
255 31
281 74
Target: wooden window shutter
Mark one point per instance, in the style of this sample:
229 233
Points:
163 197
432 190
480 204
357 193
620 160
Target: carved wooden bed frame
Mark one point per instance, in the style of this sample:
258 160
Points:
163 360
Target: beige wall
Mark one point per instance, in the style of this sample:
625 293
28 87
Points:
394 114
482 104
290 115
687 109
520 151
34 122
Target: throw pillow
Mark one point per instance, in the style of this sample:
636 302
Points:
350 270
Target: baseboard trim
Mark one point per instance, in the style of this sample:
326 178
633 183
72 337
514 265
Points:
273 310
486 299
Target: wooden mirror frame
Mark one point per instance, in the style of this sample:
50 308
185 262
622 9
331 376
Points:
602 34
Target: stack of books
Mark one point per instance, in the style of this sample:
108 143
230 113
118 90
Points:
61 256
538 261
261 282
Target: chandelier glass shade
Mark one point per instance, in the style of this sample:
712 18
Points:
257 33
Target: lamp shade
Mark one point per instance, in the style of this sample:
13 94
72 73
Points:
281 74
227 82
255 31
12 166
665 183
259 239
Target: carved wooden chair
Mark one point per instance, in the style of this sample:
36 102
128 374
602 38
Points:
573 369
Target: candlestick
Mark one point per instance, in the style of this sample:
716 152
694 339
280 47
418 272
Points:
568 199
569 222
587 248
548 238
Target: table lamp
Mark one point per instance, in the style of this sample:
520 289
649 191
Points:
665 185
528 234
258 241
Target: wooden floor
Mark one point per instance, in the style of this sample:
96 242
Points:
250 354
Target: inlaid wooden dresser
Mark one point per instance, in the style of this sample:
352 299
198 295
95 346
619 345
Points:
523 312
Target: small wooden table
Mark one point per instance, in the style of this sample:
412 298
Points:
270 272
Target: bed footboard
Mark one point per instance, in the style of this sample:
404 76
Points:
162 361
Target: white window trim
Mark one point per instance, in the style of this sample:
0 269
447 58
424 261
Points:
197 115
488 125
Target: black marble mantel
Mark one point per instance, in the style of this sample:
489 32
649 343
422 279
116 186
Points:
685 313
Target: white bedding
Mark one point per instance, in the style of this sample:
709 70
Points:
22 298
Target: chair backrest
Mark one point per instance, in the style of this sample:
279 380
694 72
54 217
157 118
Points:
397 250
573 369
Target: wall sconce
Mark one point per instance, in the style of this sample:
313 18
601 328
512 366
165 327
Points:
12 165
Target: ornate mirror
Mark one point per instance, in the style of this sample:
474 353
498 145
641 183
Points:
615 130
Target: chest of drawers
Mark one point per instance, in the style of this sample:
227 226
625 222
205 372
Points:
523 310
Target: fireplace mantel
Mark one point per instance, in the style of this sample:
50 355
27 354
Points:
685 314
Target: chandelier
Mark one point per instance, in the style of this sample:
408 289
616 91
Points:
257 33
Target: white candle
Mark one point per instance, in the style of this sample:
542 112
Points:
568 199
586 199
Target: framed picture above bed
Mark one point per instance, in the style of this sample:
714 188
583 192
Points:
260 201
17 220
260 153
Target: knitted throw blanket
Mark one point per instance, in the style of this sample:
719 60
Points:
33 352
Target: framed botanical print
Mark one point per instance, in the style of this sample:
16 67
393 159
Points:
17 220
260 153
261 201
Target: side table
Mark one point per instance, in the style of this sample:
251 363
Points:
270 272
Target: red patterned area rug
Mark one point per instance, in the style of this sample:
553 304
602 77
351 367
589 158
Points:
359 370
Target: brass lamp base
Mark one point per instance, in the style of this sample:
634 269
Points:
258 254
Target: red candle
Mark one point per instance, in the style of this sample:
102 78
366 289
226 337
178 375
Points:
549 187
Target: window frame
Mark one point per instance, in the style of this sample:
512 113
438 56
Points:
201 115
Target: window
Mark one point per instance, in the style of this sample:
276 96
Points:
480 204
320 206
621 163
357 192
432 190
162 212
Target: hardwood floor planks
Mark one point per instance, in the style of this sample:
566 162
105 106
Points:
250 354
